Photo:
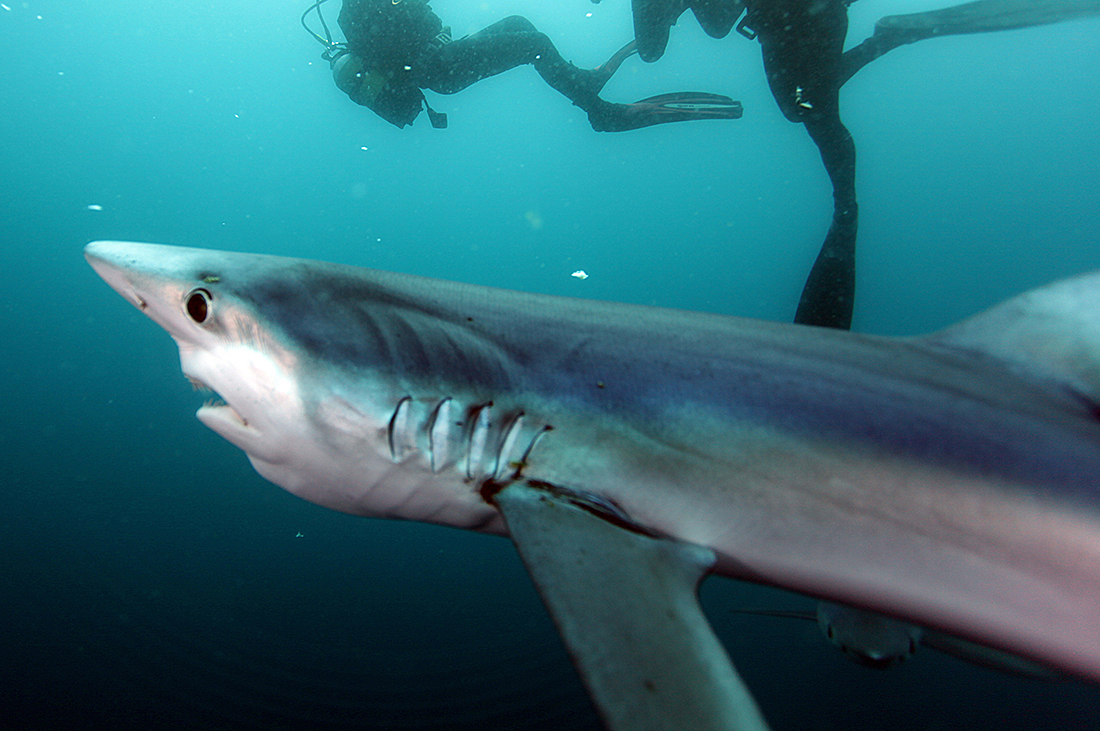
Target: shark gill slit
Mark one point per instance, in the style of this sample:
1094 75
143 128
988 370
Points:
398 421
439 428
496 482
509 433
476 438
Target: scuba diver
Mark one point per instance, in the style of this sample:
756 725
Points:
806 65
397 48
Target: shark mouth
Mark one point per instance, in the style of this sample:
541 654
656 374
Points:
215 402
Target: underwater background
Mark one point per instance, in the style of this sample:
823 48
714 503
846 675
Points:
150 579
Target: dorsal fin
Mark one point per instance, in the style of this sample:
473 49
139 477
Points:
1051 332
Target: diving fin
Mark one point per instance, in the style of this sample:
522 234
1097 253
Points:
680 106
626 607
605 71
985 16
982 16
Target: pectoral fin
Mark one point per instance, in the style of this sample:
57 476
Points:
626 606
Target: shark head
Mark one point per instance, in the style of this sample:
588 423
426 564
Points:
223 345
342 437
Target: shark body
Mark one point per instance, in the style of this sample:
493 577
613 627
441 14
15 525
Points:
951 480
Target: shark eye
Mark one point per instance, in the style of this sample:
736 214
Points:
198 305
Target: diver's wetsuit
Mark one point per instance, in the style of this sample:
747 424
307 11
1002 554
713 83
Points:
502 46
654 18
402 43
393 40
802 44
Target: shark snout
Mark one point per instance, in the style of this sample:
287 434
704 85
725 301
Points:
108 260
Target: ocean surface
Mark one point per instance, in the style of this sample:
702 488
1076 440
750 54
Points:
150 579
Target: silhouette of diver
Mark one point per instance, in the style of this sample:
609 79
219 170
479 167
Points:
396 48
804 59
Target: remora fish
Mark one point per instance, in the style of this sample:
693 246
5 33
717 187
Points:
950 480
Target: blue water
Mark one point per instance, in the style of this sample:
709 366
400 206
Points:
152 580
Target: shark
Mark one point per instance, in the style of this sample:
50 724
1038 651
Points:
880 642
950 480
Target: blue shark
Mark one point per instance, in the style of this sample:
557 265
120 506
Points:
879 642
950 480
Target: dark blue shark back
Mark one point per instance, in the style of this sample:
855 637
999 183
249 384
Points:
952 406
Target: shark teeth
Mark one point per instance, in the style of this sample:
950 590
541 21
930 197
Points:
196 384
215 400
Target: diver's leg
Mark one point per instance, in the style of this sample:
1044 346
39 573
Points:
802 44
717 17
859 56
513 42
502 46
652 21
829 295
607 69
